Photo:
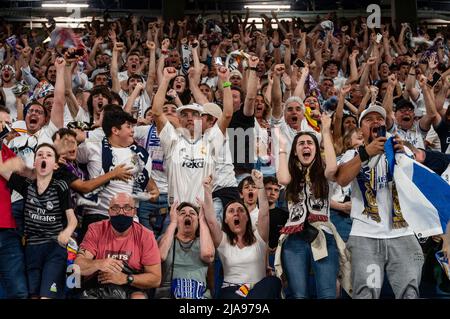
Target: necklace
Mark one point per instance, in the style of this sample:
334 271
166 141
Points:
186 246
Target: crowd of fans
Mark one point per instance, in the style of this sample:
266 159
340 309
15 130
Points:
218 159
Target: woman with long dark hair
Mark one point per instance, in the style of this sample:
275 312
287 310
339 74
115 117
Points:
242 251
308 234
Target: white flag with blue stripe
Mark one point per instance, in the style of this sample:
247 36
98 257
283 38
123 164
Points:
424 196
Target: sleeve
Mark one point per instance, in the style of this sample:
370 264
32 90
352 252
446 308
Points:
150 251
64 196
141 132
49 130
441 128
168 136
17 183
67 176
83 153
82 115
217 138
348 156
29 79
90 240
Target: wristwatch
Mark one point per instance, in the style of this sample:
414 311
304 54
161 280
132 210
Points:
130 279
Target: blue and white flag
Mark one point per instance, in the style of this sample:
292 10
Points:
424 196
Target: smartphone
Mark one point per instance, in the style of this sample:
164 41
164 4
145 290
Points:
379 37
436 78
5 131
299 63
77 53
219 61
381 131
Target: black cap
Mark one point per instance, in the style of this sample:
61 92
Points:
403 103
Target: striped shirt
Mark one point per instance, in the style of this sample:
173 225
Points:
44 214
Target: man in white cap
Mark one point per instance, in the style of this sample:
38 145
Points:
190 155
380 240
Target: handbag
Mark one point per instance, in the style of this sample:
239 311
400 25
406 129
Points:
109 291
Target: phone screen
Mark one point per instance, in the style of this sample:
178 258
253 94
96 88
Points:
381 131
299 63
436 78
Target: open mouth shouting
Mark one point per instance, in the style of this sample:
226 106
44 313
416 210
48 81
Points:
236 221
187 222
134 67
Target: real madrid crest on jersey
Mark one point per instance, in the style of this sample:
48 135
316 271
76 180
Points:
203 150
49 205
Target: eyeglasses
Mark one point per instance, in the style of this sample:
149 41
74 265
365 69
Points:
117 209
39 112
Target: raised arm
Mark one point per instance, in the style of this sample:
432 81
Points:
276 97
338 115
57 113
283 175
118 47
227 112
207 248
263 205
389 100
252 87
330 154
210 216
160 97
133 96
431 116
300 88
167 238
151 77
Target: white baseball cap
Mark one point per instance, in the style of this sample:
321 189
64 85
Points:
373 108
193 107
212 109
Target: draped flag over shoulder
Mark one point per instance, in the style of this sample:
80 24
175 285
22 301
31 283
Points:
424 196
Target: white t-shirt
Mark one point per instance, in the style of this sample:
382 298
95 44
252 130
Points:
141 103
91 154
10 102
147 137
224 175
362 225
246 265
189 161
414 135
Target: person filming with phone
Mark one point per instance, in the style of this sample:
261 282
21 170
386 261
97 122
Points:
380 240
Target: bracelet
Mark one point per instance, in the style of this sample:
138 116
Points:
226 84
282 152
253 68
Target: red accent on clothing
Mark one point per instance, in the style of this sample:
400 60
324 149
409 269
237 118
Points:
6 217
317 218
292 229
